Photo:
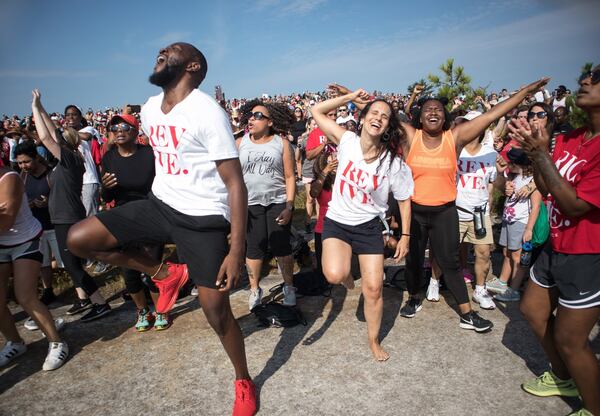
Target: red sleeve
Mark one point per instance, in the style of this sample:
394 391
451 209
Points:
96 153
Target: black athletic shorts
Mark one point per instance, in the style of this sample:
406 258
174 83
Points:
201 241
265 233
365 238
576 276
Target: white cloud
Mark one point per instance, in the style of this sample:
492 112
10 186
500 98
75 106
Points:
46 73
169 38
286 7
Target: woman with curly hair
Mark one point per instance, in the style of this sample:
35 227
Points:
368 170
268 166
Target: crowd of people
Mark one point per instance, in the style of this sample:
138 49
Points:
387 175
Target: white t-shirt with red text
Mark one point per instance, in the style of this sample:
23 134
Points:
475 173
579 163
187 142
360 190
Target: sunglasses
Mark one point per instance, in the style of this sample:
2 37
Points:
258 115
539 114
123 126
594 74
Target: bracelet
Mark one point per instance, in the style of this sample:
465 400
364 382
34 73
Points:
405 234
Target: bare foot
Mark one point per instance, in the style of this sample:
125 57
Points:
348 283
378 352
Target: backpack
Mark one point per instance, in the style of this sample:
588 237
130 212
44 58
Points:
278 315
311 284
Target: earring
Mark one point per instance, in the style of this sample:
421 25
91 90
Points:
385 137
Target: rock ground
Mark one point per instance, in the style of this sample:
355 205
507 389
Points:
323 368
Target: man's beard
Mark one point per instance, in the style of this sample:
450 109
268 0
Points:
168 74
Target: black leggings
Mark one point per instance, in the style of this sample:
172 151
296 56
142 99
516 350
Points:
319 253
73 265
440 226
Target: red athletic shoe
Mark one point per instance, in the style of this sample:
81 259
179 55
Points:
245 398
168 288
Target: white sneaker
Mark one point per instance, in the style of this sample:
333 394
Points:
30 324
254 298
433 291
484 299
57 355
194 291
289 295
11 351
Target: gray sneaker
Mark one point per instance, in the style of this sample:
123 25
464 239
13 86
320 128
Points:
289 295
31 325
254 298
510 295
496 285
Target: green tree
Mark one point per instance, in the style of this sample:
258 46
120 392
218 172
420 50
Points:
427 87
578 117
452 82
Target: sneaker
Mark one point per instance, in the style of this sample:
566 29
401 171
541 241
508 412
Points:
484 299
472 320
510 295
549 385
467 275
96 312
162 321
11 351
48 296
144 320
168 288
581 412
31 325
245 398
289 295
101 268
79 306
254 298
433 291
57 355
496 285
411 307
194 291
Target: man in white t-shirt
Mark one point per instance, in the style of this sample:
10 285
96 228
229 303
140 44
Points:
198 198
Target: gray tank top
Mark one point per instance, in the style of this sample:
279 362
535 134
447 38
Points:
262 166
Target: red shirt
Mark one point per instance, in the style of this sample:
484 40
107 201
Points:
323 199
579 164
315 138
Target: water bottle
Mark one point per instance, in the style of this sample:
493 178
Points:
479 221
526 254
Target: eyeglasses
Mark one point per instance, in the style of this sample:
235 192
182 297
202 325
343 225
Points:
123 126
594 74
258 115
539 114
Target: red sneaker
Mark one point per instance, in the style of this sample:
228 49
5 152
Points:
168 288
245 398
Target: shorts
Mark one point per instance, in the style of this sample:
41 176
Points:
264 233
49 248
576 276
28 250
201 240
365 238
511 235
466 230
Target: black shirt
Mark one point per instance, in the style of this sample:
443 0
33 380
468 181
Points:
35 187
297 129
66 181
134 173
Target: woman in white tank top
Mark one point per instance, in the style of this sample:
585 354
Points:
19 251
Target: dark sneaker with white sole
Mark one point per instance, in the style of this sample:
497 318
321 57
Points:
96 312
472 320
79 306
411 307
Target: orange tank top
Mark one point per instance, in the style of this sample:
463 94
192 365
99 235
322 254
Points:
434 170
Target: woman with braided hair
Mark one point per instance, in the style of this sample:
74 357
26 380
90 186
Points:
268 166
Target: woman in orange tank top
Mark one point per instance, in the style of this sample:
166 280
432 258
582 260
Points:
432 147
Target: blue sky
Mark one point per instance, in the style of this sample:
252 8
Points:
97 54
